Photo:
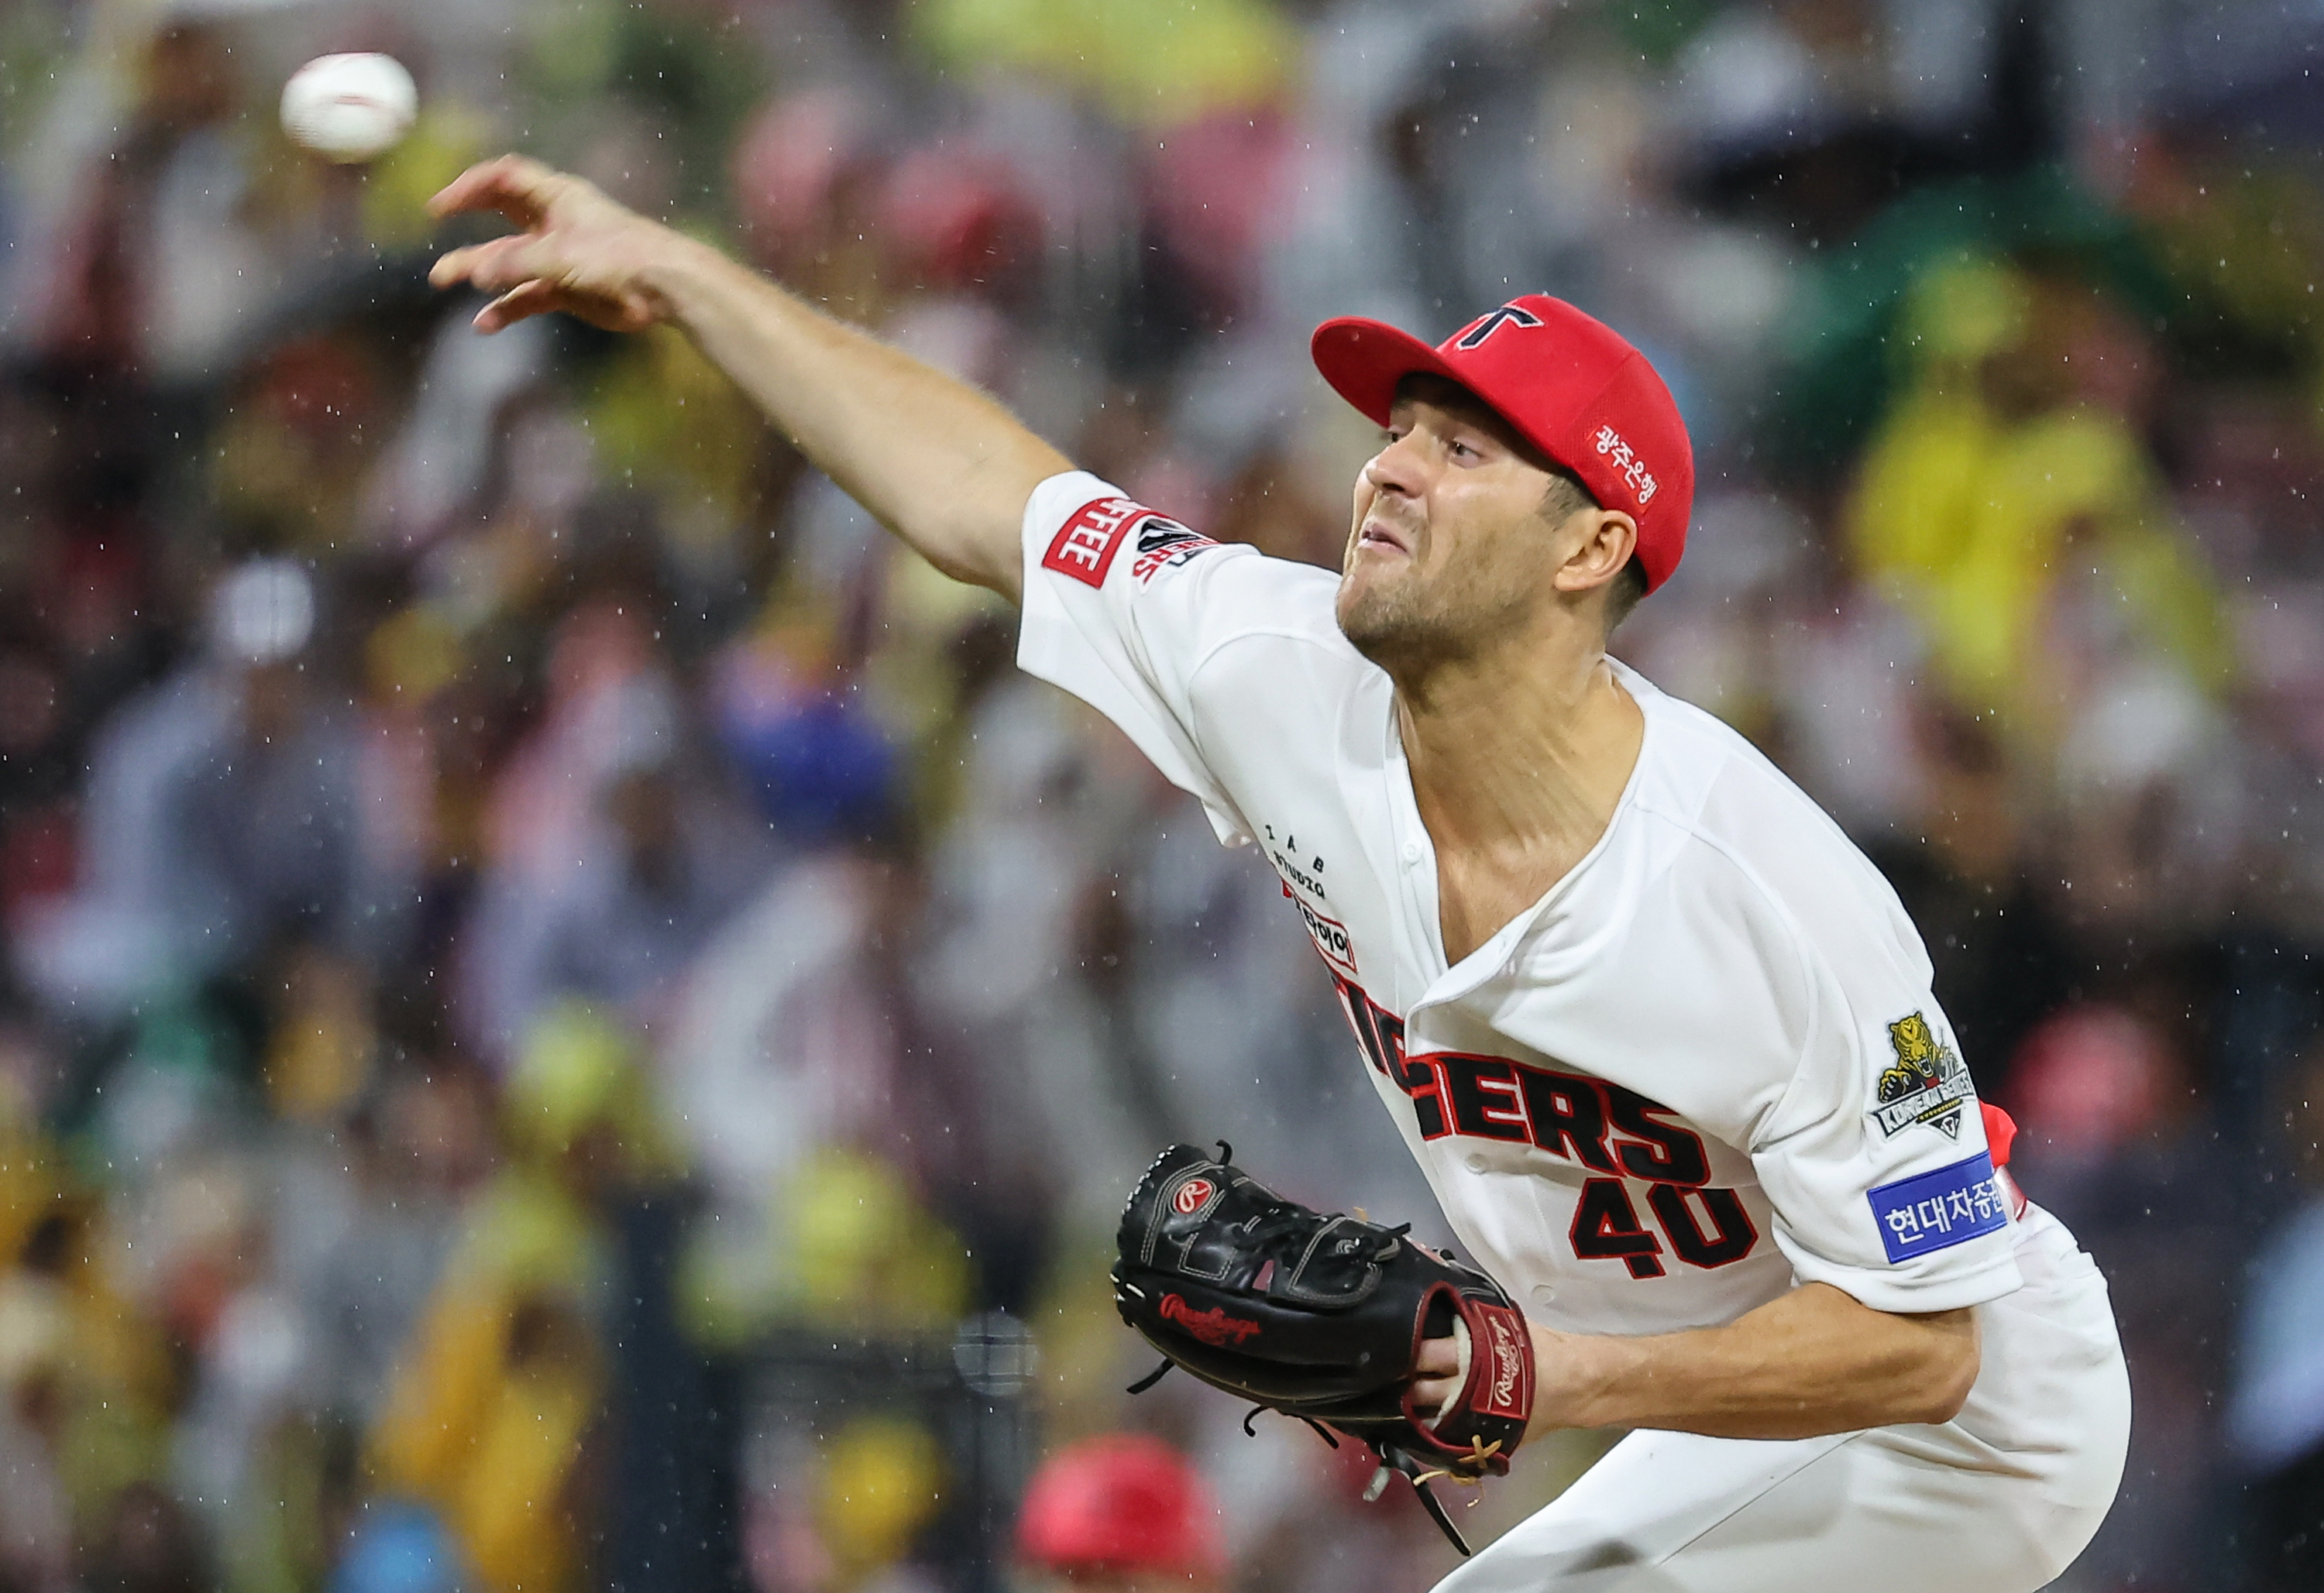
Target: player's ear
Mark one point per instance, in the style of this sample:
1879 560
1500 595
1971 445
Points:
1603 541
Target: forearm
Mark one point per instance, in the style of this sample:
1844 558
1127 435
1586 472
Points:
1814 1361
939 463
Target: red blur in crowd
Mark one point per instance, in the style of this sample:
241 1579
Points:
1126 1512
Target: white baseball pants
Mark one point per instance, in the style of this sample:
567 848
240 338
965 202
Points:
1998 1500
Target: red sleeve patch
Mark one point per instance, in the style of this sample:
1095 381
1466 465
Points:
1085 545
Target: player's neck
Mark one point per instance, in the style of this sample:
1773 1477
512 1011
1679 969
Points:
1504 756
1518 765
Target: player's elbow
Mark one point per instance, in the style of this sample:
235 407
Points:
1946 1394
974 559
1949 1370
969 525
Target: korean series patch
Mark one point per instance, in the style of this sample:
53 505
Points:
1927 1083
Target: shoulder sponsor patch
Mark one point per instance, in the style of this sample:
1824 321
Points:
1927 1083
1932 1212
1085 545
1164 544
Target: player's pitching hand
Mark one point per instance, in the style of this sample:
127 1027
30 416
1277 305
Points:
578 250
1435 1374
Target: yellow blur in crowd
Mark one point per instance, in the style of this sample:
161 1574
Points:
490 1414
490 1411
2008 503
1993 487
1153 62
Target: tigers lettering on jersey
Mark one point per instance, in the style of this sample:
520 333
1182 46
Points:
1593 1122
1700 955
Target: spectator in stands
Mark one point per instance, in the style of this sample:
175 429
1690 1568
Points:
1123 1513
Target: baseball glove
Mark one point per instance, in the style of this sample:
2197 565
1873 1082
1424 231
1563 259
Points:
1320 1316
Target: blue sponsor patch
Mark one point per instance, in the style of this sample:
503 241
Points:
1931 1210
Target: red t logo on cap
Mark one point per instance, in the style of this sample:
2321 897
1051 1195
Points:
1579 393
1507 314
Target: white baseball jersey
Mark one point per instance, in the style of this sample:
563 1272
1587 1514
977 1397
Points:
1706 1065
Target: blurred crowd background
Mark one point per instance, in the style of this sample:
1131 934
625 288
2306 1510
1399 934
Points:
568 1020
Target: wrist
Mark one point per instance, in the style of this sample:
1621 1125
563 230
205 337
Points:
683 276
1574 1375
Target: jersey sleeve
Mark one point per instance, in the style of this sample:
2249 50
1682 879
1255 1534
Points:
1125 608
1875 1159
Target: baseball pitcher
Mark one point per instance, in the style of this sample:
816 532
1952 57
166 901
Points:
1660 1036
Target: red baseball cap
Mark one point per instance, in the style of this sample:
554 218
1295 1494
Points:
1123 1503
1570 384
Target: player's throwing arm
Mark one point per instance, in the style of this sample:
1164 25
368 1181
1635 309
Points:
939 463
1662 1039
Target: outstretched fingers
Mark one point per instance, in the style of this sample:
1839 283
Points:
497 266
533 298
518 270
517 186
555 263
452 268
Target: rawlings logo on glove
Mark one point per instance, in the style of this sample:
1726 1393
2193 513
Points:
1213 1326
1321 1316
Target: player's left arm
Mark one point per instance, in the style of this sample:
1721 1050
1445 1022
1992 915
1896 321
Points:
1881 1327
1814 1361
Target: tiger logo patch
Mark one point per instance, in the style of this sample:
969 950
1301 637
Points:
1927 1083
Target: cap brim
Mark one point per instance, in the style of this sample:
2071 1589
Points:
1363 360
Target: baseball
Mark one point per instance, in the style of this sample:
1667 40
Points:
349 107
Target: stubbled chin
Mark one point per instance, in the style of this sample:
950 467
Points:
1363 605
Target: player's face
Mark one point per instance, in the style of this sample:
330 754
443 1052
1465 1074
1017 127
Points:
1449 553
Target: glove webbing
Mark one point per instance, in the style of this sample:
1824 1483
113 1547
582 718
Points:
1390 1457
